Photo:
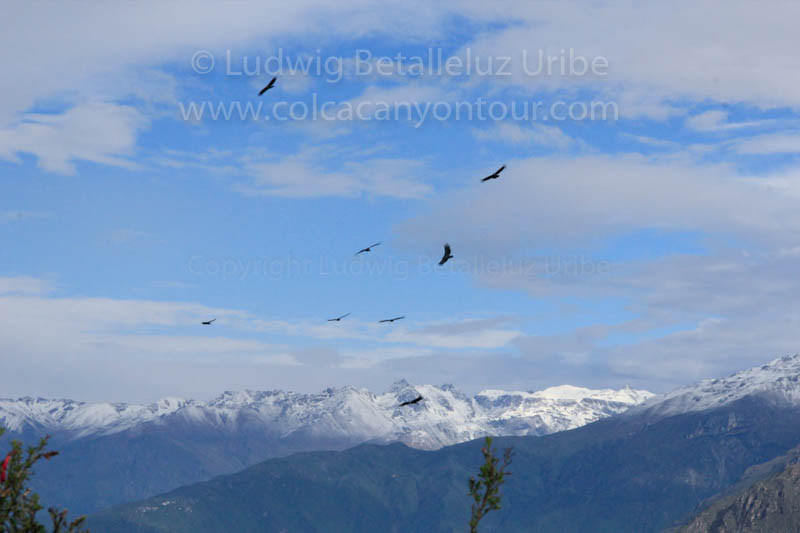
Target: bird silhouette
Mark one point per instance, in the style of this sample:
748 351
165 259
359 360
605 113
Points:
495 175
269 86
208 322
367 249
411 402
391 319
447 255
338 318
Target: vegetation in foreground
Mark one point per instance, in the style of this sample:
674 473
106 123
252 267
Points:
486 489
19 505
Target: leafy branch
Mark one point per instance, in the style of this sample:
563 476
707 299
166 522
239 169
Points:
18 503
485 490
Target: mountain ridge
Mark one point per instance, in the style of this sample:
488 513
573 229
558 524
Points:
778 381
373 416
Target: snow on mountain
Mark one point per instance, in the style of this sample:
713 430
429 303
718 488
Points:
778 380
446 416
79 418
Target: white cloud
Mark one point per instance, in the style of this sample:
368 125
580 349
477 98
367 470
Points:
740 62
110 40
113 349
652 141
113 55
23 285
775 143
555 201
97 132
117 52
713 348
707 121
513 133
309 174
475 334
742 283
636 102
716 121
465 333
708 349
664 52
110 349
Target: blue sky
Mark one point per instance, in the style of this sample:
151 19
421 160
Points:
651 246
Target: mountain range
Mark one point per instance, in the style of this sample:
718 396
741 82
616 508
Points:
447 416
113 453
648 469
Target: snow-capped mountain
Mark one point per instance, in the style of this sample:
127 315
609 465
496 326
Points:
778 380
627 473
175 442
80 419
445 416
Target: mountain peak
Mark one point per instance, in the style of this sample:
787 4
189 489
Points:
778 380
400 384
168 404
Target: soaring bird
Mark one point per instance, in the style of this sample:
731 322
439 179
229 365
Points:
495 175
208 322
447 255
367 249
411 402
337 319
391 319
269 86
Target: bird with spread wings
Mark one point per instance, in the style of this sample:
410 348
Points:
447 255
494 175
367 249
269 86
411 402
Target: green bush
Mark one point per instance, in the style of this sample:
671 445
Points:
19 505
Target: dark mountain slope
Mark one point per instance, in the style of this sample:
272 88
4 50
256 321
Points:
625 474
94 473
771 505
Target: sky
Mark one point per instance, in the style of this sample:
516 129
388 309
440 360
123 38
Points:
644 233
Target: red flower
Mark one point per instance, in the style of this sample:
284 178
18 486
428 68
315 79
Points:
4 467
